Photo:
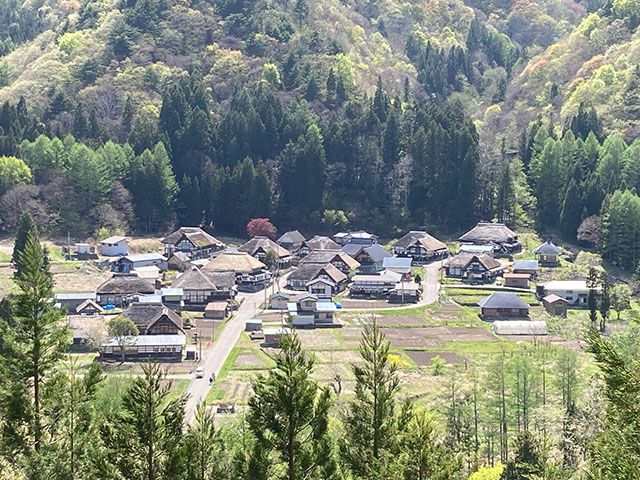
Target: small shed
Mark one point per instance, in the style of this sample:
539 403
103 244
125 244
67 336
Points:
555 305
89 307
520 327
405 292
526 266
253 325
278 301
115 246
516 280
500 305
272 336
216 310
548 254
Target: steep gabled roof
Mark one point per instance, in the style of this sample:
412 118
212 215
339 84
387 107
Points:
376 252
197 279
234 261
489 232
328 256
293 236
195 235
503 300
321 243
266 245
547 248
463 259
427 241
145 315
125 284
309 271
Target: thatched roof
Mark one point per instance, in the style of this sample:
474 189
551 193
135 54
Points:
328 256
488 233
144 315
125 283
234 261
321 243
294 237
195 235
264 244
419 237
197 279
310 271
461 260
376 252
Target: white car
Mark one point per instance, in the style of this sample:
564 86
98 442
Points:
200 372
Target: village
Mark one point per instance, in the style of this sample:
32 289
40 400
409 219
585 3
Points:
213 312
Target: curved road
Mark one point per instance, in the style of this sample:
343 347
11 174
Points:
213 358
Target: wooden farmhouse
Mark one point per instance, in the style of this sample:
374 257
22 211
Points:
192 241
420 246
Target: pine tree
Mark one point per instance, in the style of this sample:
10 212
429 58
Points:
288 415
527 462
26 226
370 421
301 10
203 448
145 438
33 345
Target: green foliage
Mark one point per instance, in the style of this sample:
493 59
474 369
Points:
288 415
13 171
33 344
371 422
615 452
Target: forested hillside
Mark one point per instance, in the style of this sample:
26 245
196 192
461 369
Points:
380 114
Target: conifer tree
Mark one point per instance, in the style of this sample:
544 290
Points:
26 226
288 415
33 345
145 438
370 421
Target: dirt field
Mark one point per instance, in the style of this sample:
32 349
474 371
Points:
363 303
423 358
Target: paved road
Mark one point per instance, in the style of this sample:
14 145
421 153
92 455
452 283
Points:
430 290
213 358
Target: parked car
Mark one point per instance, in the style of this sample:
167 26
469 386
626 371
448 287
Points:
200 372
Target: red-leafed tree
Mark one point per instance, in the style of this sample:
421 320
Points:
260 227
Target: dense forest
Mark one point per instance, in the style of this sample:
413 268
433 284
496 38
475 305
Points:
315 115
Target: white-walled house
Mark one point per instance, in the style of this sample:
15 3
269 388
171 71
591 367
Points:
115 246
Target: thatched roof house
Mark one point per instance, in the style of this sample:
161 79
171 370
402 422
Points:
154 319
260 247
497 234
120 287
321 243
234 261
337 258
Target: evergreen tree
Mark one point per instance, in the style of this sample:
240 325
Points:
145 436
615 452
288 415
32 346
26 227
370 421
527 462
571 213
203 449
